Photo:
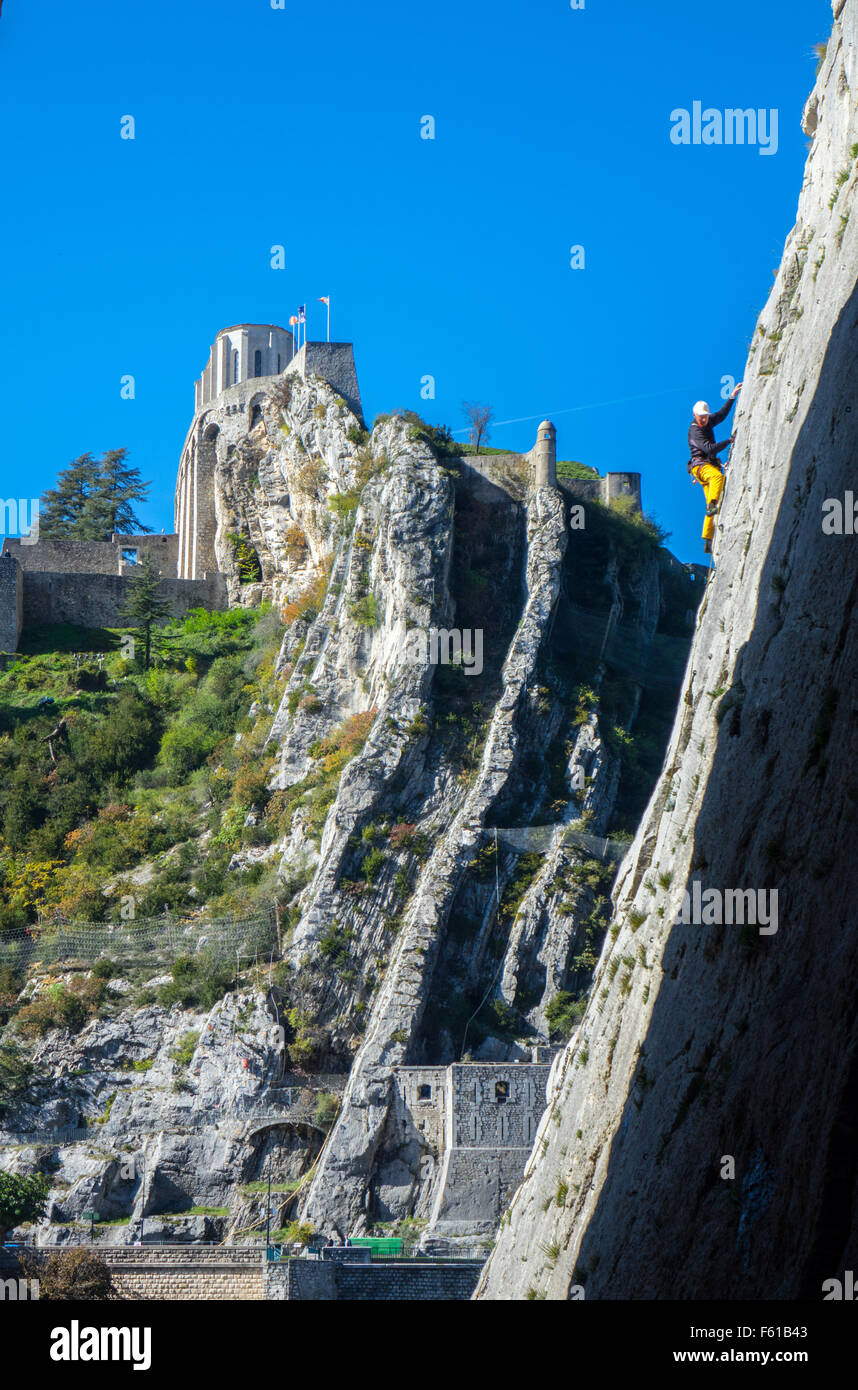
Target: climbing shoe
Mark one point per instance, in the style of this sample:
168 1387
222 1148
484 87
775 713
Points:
712 508
707 547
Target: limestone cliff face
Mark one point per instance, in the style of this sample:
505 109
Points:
424 940
395 932
273 476
707 1042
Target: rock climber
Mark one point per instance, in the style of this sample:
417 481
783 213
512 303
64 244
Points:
703 464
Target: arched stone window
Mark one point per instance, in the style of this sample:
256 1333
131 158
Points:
424 1092
257 362
235 366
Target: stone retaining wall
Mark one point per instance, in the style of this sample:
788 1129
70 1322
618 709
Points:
396 1282
241 1274
191 1282
177 1273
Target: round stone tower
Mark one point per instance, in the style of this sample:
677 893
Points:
239 353
544 455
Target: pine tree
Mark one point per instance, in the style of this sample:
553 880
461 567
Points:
93 498
117 487
63 509
144 608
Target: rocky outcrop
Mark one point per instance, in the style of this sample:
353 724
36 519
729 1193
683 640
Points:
700 1136
157 1112
376 957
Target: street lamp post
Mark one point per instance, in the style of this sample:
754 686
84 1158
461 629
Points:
143 1197
268 1212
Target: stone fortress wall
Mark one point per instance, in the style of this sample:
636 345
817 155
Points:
11 603
73 598
119 555
396 1282
242 1274
478 1120
51 581
539 466
604 490
335 363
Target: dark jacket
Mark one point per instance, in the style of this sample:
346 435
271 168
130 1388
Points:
701 438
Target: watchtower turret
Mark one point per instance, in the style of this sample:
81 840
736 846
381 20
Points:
543 456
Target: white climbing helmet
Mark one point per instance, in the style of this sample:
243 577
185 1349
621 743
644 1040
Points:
701 408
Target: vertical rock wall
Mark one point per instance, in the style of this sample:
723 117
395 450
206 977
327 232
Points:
705 1043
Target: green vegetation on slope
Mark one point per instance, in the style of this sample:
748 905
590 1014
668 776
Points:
105 766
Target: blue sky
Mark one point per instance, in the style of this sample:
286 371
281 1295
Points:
448 257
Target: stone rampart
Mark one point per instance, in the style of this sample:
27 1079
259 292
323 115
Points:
11 603
54 597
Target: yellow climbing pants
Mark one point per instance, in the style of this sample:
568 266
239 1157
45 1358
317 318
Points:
712 478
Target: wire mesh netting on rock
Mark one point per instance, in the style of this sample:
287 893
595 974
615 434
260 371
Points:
143 941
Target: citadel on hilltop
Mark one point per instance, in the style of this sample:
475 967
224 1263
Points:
50 581
244 363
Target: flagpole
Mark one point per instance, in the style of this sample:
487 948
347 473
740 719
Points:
329 318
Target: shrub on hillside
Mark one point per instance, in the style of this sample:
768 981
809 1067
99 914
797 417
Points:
17 1074
562 1014
198 982
70 1275
61 1006
308 604
326 1109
